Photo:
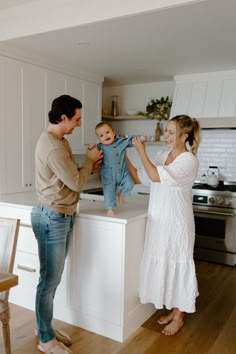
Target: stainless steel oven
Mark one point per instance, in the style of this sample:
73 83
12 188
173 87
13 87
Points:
215 223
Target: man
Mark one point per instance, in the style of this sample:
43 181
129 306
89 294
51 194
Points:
58 182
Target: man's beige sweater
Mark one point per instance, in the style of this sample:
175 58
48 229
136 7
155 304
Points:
58 180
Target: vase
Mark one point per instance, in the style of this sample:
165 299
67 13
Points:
114 106
157 132
163 124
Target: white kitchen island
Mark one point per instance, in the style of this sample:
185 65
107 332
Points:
99 288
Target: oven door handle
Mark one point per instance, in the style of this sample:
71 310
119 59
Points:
214 212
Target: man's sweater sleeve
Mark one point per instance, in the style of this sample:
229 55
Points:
66 171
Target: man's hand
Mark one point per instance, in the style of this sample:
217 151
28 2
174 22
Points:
93 153
97 166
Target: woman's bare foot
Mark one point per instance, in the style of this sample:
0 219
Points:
120 198
110 212
175 324
168 318
173 327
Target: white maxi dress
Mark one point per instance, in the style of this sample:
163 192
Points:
168 275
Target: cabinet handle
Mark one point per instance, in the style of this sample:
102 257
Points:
27 269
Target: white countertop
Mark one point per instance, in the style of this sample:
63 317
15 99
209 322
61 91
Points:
134 206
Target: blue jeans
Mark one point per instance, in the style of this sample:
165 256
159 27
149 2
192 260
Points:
52 230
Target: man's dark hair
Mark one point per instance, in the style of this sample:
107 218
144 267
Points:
64 104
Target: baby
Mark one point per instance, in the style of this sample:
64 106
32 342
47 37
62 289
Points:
116 180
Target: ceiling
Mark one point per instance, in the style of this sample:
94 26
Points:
6 4
154 46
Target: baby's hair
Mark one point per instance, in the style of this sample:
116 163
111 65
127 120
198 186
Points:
101 124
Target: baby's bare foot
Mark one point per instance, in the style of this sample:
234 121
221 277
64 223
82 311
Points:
111 212
173 327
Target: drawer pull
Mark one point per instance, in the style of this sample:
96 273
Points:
27 269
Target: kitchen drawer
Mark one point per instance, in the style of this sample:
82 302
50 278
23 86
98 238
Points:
10 211
27 241
27 269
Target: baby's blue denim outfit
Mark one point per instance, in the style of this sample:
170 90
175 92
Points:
114 171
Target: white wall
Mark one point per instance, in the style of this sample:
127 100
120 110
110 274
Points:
135 97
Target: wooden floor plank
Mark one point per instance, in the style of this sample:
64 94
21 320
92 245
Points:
211 330
226 341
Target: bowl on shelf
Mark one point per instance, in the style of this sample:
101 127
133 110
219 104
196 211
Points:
131 112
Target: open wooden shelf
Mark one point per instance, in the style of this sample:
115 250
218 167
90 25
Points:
124 117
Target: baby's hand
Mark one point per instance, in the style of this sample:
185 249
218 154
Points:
143 138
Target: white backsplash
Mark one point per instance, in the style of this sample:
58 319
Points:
218 148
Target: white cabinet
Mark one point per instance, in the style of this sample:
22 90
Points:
26 265
22 121
89 94
26 94
205 95
55 86
11 126
227 107
104 287
33 120
91 111
75 88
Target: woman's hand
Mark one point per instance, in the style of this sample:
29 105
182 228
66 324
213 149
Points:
138 144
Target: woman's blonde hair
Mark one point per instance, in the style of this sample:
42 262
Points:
190 126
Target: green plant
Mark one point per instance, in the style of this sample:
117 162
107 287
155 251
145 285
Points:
158 108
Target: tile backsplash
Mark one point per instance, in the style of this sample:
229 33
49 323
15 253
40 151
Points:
218 148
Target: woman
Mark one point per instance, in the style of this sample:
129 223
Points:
167 271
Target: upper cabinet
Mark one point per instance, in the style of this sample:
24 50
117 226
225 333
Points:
26 94
90 95
211 95
91 111
11 126
33 120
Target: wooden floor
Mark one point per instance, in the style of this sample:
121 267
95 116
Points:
211 330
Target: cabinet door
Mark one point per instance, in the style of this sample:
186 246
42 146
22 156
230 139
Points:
181 100
55 86
74 87
212 99
12 127
33 120
228 99
197 99
91 111
2 133
96 287
27 269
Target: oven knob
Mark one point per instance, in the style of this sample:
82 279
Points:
212 200
220 201
227 202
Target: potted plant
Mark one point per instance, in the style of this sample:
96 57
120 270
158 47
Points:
158 109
